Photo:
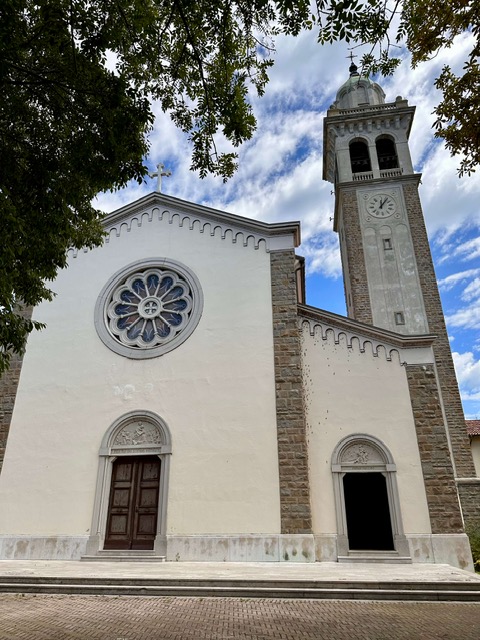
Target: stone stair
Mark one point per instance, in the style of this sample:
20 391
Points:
124 556
383 557
245 588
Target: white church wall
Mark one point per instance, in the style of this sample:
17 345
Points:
350 392
221 417
475 445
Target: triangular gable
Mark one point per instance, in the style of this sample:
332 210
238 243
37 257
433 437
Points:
158 206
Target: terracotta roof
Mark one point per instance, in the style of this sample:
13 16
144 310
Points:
473 427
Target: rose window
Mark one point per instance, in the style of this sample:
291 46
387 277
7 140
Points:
149 308
149 311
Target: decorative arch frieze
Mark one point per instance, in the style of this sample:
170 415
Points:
223 229
376 348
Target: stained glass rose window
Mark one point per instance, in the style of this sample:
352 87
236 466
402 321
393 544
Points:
150 310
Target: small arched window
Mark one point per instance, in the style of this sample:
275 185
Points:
386 153
359 157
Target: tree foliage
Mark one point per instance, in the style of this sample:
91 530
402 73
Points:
425 27
77 80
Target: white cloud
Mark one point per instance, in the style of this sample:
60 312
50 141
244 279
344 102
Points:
472 290
470 249
449 282
449 202
468 375
465 318
323 255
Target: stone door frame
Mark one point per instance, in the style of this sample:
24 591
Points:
362 453
137 433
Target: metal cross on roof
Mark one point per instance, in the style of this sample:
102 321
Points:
351 55
353 67
159 174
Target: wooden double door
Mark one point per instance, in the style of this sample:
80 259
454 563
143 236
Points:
133 506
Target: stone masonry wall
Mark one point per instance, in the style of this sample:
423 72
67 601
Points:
361 309
8 391
442 497
452 404
463 460
469 491
291 424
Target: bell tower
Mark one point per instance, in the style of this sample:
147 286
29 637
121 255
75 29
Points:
388 270
368 159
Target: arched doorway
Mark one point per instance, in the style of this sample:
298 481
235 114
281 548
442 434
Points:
132 486
366 498
367 511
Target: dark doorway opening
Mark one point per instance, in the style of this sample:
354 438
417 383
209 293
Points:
133 506
368 514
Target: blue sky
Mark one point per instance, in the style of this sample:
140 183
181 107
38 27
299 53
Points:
280 178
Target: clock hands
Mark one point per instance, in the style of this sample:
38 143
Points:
381 205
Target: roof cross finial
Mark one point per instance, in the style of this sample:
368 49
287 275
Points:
159 174
353 67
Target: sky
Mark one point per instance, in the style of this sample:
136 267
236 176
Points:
279 178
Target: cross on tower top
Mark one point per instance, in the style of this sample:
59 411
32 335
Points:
353 67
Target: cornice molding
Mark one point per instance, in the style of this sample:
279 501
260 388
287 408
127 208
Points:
354 185
413 349
275 236
387 112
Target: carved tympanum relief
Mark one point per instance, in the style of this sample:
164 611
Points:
137 433
359 454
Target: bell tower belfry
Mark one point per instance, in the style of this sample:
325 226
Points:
388 270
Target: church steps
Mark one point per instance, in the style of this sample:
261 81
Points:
104 556
301 589
382 558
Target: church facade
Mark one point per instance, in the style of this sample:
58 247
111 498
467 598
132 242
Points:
184 402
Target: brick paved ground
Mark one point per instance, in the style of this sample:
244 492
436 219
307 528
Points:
170 618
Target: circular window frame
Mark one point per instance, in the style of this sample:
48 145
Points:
104 299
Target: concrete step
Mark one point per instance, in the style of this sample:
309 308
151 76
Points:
104 556
381 558
359 590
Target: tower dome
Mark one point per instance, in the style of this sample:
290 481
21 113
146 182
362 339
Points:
358 91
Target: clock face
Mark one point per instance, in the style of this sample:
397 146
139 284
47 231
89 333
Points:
381 205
